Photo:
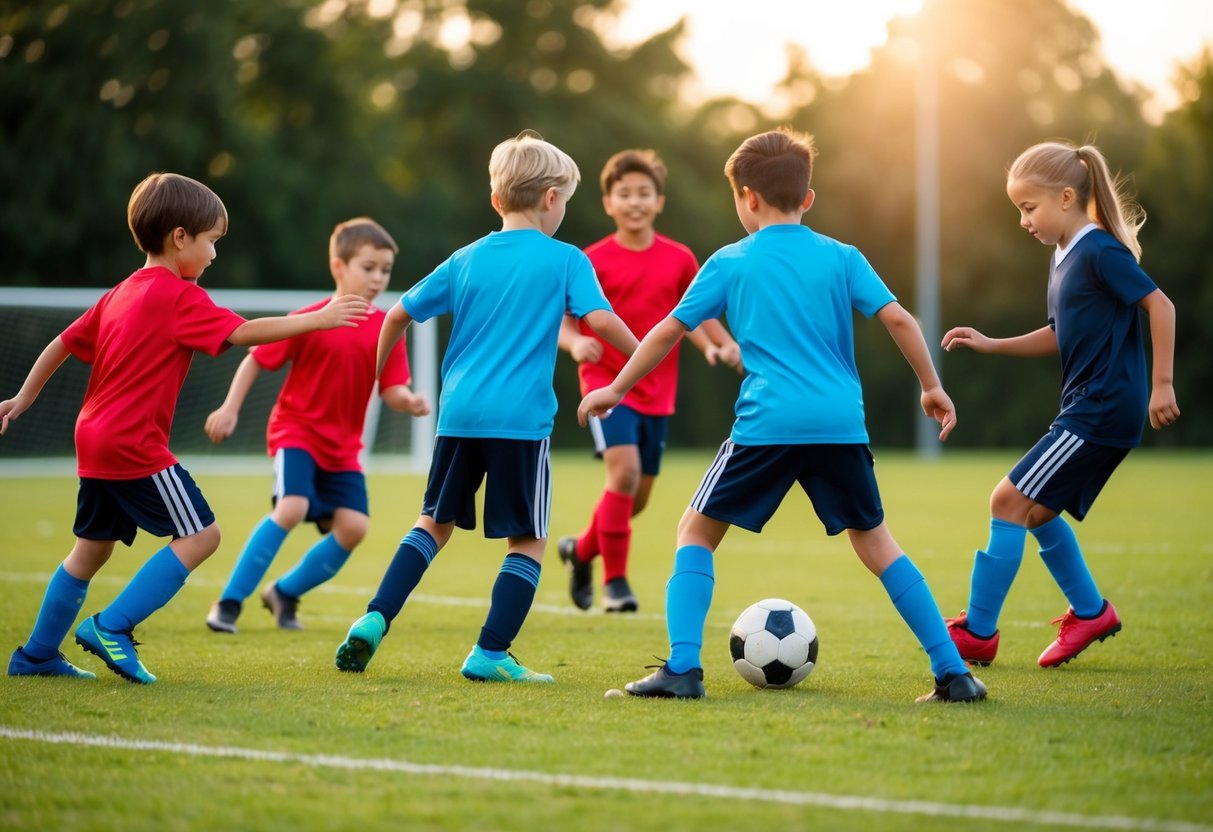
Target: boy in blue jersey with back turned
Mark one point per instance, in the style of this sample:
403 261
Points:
507 295
789 294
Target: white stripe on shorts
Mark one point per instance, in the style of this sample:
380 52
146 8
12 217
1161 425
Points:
595 426
543 490
712 476
1050 462
176 503
279 473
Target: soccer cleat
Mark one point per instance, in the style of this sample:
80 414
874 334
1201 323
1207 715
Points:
116 649
956 687
581 573
665 684
480 668
361 642
284 608
617 596
223 615
973 649
22 664
1077 634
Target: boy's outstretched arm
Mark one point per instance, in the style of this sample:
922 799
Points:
908 336
347 310
394 324
579 347
221 423
612 329
52 357
655 346
1029 345
1163 408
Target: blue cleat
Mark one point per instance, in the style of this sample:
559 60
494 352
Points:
22 664
480 668
117 650
361 642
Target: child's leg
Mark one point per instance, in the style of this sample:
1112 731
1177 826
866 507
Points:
995 567
64 597
512 596
326 557
613 515
1060 551
158 580
688 593
413 556
262 547
911 597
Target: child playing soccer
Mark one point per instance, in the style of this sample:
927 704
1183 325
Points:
789 294
507 294
1067 198
315 432
643 275
139 339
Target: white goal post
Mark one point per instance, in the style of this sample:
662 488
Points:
41 443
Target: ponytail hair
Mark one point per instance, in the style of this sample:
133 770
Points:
1061 164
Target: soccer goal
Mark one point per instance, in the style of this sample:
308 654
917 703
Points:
41 442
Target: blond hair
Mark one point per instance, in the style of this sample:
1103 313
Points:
522 169
351 235
1061 164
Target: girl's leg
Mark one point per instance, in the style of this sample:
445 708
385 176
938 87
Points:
995 567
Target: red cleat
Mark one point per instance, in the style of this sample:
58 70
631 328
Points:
1077 634
972 649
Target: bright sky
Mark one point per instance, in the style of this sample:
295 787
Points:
839 35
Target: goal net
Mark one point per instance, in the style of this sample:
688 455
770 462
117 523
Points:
41 441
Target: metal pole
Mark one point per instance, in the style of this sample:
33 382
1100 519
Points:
927 297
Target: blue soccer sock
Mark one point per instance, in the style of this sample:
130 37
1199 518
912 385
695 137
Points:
913 599
259 550
994 571
321 562
688 596
60 606
1060 551
513 594
413 556
156 582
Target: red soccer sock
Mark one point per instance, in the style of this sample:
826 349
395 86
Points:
613 516
587 544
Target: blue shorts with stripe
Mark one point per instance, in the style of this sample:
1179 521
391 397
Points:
166 504
518 484
625 426
1063 472
297 474
747 483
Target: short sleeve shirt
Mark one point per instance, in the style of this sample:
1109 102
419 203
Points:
322 405
507 294
790 295
642 286
140 338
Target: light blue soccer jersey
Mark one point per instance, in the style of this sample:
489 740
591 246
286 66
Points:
790 295
507 294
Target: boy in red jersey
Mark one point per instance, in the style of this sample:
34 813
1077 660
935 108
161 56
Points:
315 432
643 275
139 339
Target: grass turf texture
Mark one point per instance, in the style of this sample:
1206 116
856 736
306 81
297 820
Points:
1124 730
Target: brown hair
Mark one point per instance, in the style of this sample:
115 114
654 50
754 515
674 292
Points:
522 169
777 165
351 235
165 201
644 161
1061 164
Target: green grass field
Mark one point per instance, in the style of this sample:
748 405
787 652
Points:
259 731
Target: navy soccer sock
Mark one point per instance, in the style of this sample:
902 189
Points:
413 556
513 594
60 606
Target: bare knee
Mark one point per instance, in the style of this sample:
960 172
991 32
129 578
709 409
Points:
196 548
350 528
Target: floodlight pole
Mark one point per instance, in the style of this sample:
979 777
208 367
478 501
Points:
927 225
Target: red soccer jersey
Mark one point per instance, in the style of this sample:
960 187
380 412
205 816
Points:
642 286
140 338
322 406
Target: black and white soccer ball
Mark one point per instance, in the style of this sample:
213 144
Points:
774 644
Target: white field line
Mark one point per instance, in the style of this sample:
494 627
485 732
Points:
876 805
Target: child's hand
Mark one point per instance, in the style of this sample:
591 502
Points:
10 410
965 336
586 348
728 354
418 405
220 425
597 403
1163 408
347 310
938 405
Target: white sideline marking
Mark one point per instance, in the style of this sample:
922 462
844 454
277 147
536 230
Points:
629 784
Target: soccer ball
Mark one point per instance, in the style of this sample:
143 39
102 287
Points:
774 644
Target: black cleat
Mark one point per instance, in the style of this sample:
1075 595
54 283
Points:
957 687
581 573
617 596
223 615
664 684
285 608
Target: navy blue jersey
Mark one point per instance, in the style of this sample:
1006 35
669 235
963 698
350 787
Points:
1093 296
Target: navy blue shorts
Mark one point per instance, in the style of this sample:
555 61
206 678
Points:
297 475
627 427
1065 473
166 504
518 490
746 483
